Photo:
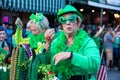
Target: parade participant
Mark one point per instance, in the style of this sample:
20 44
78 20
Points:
3 43
95 34
35 40
109 39
4 51
74 55
20 54
39 24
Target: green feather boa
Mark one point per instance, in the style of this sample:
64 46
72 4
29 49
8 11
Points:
34 39
59 45
3 53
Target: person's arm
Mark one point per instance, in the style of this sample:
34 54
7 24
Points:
111 37
116 28
117 34
14 44
18 33
100 30
49 35
114 36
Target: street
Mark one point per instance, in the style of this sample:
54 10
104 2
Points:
113 74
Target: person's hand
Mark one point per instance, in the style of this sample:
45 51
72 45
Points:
100 30
117 27
46 46
18 22
49 34
61 56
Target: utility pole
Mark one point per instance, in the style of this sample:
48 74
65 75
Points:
101 16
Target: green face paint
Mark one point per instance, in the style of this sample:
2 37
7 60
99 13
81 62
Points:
71 19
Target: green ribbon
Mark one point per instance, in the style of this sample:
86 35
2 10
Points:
36 18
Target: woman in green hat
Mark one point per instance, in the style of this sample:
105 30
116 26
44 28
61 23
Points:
74 55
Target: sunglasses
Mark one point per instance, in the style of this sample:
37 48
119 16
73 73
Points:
72 19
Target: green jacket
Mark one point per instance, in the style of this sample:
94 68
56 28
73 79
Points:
84 61
88 58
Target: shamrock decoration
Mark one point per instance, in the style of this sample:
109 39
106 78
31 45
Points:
46 72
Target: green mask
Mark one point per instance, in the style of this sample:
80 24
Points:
71 19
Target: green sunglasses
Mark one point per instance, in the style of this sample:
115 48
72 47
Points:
71 19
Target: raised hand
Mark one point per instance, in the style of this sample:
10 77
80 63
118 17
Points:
49 34
18 23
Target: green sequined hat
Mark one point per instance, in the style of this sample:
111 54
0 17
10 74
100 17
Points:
68 9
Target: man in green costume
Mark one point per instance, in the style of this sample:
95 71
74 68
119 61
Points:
74 55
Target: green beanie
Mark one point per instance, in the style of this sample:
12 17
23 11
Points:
68 9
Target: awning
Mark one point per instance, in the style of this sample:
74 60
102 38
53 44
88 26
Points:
44 6
78 1
0 3
113 2
102 4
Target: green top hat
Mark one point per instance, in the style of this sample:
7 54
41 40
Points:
68 9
